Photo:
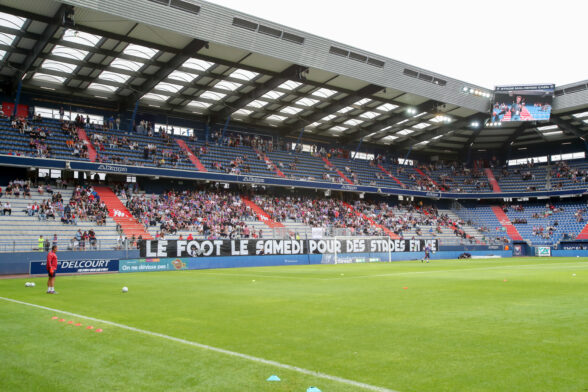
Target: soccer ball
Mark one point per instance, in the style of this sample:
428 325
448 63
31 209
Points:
32 284
28 284
125 289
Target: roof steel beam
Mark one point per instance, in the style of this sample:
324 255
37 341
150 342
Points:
566 126
515 135
360 131
53 24
293 72
90 30
364 92
162 74
429 135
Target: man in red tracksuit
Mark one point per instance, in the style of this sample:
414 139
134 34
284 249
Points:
51 269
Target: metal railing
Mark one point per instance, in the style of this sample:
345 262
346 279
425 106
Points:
14 246
63 245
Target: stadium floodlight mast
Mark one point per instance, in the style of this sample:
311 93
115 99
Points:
493 123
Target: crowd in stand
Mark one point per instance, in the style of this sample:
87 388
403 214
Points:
78 148
84 205
544 232
256 142
162 152
235 166
563 171
314 213
212 214
19 187
412 217
37 135
367 219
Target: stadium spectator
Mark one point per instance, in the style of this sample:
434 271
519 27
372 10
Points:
6 208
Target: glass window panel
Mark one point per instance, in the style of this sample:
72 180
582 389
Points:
290 110
48 78
370 115
182 76
243 112
155 97
71 53
324 92
243 74
257 104
81 38
272 94
200 104
197 64
212 95
226 85
276 117
126 64
113 77
58 66
102 87
140 51
290 85
14 22
387 107
307 101
6 39
169 87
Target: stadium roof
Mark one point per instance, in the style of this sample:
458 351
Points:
241 66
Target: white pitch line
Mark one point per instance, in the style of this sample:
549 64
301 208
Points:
512 267
216 349
507 266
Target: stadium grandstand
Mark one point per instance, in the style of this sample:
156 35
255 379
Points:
129 126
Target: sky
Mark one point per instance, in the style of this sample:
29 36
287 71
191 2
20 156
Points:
480 42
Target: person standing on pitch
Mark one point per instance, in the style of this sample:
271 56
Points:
51 269
427 254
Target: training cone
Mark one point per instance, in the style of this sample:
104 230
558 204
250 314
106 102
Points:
273 378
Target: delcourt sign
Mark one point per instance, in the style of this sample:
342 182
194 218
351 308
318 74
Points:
76 266
243 247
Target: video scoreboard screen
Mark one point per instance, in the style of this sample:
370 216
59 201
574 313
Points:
522 103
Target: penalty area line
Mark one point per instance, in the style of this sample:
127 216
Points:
235 354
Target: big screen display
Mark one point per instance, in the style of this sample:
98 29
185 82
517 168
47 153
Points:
522 103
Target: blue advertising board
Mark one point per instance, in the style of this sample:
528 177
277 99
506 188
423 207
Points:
152 264
83 266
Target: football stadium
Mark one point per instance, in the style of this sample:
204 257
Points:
194 198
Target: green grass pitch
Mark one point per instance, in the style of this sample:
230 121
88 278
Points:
518 324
